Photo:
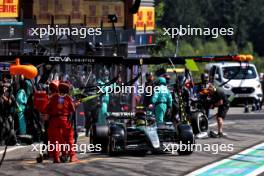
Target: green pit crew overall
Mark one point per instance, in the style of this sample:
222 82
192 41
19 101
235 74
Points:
162 100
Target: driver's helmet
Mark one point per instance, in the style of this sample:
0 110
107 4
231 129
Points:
140 118
140 122
161 81
204 77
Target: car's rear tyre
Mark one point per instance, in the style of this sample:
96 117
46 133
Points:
116 139
99 135
27 139
199 122
186 139
141 153
39 159
111 147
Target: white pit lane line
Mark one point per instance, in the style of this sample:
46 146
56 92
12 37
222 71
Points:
225 123
9 149
255 172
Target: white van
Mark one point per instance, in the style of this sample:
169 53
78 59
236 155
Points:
241 81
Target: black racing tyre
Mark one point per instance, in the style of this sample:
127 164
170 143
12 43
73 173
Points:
64 159
111 147
141 153
117 138
27 139
199 122
11 139
203 123
39 159
99 135
45 156
186 139
102 131
195 124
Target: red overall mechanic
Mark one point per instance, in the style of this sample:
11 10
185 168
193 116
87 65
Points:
53 89
60 129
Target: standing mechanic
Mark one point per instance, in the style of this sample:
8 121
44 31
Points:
148 84
60 128
220 100
204 82
202 92
53 90
162 100
7 134
21 99
104 100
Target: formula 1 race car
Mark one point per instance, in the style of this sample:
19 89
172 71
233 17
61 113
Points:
138 132
126 131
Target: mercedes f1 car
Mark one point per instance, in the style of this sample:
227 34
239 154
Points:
138 132
126 132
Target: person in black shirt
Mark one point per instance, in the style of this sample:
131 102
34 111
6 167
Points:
7 134
149 83
201 92
220 100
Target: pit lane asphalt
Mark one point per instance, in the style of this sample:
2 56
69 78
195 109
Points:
244 130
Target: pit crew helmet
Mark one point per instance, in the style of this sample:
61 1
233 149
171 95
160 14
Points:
161 81
54 86
204 77
64 87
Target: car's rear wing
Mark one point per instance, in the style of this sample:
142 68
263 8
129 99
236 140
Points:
121 115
